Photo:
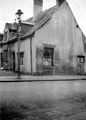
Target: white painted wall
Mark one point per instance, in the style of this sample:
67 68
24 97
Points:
24 46
61 31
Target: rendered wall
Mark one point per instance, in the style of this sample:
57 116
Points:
24 47
0 60
62 32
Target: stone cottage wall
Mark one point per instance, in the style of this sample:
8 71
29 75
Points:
62 32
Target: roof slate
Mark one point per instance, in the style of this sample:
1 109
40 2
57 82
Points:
11 26
1 33
41 19
44 16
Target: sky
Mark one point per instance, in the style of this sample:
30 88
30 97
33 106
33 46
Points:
8 8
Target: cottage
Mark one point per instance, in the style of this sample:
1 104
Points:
1 38
51 42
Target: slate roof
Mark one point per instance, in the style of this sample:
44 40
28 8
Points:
11 26
1 33
29 20
44 17
41 19
1 38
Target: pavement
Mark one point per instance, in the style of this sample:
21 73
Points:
9 76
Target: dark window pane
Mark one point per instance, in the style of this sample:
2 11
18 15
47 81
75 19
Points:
81 59
21 58
48 56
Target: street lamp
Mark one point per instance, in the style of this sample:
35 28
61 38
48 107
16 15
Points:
18 16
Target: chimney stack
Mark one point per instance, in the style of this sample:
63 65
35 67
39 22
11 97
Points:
37 8
59 2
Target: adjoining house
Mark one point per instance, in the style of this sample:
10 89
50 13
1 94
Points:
1 60
51 42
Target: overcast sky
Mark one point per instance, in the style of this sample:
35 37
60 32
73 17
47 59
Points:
8 9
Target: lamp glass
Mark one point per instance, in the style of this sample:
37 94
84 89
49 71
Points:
19 14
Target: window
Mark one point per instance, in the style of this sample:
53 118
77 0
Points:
81 59
5 55
5 36
1 37
48 56
77 26
21 58
1 59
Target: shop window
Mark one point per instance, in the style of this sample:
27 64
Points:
48 56
81 59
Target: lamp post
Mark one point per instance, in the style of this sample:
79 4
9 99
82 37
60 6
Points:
18 15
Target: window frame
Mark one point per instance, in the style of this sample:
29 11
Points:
48 57
21 57
5 55
5 36
81 58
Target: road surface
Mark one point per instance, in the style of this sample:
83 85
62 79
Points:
49 89
41 100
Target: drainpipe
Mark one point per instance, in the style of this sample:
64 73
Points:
31 53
